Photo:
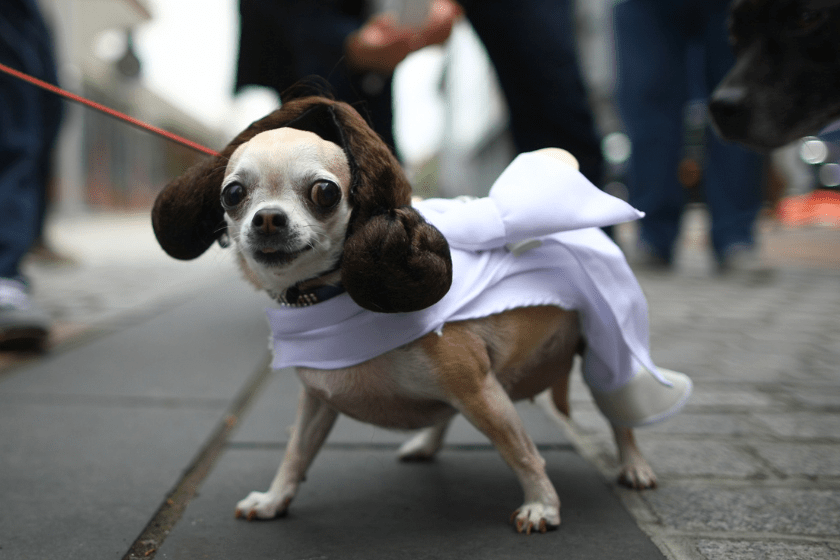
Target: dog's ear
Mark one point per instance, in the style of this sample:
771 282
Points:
323 121
187 215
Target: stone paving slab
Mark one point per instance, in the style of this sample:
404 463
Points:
749 470
751 550
363 504
92 439
817 396
800 459
680 458
81 481
749 509
201 348
688 423
804 424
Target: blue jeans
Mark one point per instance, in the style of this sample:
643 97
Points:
29 121
653 38
533 49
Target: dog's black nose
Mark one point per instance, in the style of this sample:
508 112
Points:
730 111
268 221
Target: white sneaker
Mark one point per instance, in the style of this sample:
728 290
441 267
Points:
645 399
23 327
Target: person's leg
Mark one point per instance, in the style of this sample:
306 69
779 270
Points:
733 174
651 94
26 138
21 125
533 49
733 193
52 109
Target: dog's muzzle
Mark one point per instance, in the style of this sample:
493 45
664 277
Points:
731 113
269 221
270 240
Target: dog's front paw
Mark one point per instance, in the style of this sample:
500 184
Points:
535 516
263 505
637 475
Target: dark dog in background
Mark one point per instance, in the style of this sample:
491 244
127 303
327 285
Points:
785 83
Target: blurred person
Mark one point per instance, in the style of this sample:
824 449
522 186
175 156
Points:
533 47
284 42
530 42
29 122
654 40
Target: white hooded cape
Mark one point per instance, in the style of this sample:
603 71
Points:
575 266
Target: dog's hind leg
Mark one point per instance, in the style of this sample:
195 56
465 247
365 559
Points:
315 419
635 471
425 445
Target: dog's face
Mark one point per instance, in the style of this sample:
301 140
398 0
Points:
306 190
286 199
785 83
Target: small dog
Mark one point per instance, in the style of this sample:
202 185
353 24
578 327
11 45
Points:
785 83
315 203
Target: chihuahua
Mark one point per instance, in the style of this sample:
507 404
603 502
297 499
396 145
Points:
785 83
318 209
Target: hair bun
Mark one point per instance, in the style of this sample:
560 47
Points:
396 262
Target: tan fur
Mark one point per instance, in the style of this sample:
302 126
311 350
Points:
417 385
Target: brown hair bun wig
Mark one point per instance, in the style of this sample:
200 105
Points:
394 261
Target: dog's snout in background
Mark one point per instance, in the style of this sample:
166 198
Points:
786 78
730 111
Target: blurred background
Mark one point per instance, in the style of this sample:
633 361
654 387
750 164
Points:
172 64
756 452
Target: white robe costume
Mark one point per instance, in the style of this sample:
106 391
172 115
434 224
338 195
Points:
535 240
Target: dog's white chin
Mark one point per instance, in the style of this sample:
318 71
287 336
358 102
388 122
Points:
273 257
303 264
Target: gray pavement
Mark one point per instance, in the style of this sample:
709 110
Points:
155 412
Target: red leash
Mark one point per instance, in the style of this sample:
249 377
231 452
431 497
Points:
108 111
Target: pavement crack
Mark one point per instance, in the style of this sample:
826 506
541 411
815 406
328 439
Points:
146 545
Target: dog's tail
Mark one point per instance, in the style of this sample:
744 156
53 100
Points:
560 389
560 395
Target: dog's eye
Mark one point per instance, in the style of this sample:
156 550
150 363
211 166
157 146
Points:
325 194
807 20
233 194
